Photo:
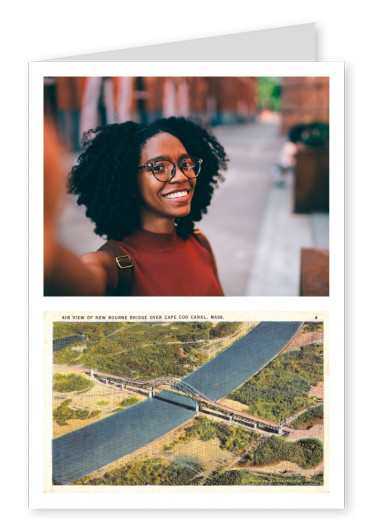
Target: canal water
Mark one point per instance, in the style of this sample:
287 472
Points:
60 343
82 451
224 373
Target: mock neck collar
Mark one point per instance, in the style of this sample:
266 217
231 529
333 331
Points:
153 241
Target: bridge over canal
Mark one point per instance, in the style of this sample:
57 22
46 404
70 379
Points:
82 451
201 401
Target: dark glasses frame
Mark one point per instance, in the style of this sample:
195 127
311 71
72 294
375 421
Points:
150 166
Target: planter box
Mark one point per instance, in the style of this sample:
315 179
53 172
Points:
311 185
314 273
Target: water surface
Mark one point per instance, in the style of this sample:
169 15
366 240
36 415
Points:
236 364
82 451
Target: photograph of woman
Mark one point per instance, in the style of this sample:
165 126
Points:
140 160
144 186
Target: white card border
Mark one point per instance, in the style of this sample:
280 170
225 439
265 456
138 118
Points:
334 304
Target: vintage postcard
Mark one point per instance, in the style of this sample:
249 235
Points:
138 403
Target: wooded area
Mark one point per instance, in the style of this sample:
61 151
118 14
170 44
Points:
141 350
282 387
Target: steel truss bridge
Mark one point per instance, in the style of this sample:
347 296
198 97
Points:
203 403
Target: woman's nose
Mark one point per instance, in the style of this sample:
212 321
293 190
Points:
178 176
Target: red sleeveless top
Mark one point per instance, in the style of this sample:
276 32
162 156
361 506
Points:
166 265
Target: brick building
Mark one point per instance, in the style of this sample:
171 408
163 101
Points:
304 99
81 103
216 100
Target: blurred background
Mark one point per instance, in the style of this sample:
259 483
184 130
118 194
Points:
268 222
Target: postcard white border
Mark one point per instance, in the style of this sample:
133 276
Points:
185 493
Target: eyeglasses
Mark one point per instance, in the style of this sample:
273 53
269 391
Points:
165 170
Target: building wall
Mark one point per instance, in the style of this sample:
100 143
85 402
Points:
304 99
215 100
79 104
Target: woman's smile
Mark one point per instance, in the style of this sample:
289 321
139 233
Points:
179 195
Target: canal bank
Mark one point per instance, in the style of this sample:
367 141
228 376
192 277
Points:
82 451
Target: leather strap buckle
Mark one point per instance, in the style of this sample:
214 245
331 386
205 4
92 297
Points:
127 264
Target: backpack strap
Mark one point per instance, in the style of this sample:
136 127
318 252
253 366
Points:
125 268
204 242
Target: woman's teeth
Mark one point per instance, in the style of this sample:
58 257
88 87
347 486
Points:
176 194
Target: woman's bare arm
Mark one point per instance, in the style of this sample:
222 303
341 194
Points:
68 274
64 272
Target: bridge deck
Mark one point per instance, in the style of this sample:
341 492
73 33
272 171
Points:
201 401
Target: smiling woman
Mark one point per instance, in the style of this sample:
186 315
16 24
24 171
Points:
144 187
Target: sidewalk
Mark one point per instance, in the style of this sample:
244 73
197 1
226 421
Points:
276 267
255 235
234 218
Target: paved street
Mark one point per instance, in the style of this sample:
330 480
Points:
255 236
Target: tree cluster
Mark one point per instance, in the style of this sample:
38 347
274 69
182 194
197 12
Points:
223 329
140 350
306 453
313 415
148 472
313 326
231 437
282 387
245 477
127 402
67 383
63 413
93 331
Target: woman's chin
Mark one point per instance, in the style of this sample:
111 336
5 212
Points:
183 212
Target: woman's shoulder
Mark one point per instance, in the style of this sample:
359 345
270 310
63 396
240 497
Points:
202 239
204 242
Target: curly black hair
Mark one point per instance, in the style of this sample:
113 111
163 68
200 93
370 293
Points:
105 176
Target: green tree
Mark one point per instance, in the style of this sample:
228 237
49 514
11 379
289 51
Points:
269 93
